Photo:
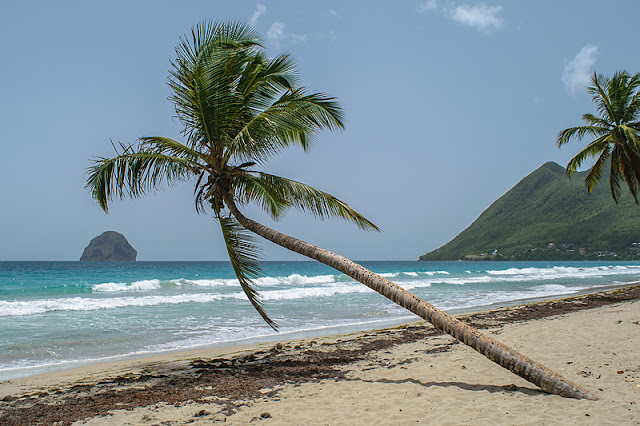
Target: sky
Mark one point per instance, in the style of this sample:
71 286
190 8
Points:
448 105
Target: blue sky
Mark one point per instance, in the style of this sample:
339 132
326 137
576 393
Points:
448 105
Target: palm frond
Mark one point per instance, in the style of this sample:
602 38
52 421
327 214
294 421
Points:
275 194
633 111
579 132
617 133
614 175
263 80
621 91
595 148
208 36
631 168
598 86
237 103
631 179
292 119
597 122
595 173
170 147
203 77
133 173
243 254
631 135
249 188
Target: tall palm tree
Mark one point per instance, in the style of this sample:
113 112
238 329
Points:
615 131
239 108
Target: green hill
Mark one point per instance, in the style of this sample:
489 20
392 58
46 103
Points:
549 216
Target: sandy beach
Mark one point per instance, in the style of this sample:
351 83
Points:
402 375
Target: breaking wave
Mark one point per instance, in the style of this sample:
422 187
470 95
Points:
155 284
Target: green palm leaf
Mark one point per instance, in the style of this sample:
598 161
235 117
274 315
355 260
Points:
243 254
597 122
579 132
203 76
597 147
170 147
615 131
133 173
290 119
275 194
595 173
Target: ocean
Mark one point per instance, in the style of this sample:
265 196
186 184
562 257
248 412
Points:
57 315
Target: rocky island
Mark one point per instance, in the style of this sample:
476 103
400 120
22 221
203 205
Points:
110 246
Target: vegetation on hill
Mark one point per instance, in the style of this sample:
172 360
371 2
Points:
548 216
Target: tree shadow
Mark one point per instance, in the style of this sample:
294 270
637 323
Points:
475 387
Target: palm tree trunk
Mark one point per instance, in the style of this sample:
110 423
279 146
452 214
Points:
510 359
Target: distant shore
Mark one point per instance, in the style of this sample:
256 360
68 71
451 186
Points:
408 373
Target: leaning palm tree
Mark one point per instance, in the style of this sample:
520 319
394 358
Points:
616 140
239 108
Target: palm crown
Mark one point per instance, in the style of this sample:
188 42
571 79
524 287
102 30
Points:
238 108
615 130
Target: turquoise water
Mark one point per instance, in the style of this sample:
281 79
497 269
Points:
55 315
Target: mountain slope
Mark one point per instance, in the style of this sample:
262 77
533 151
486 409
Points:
547 207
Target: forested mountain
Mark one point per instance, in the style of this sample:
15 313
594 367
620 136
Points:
549 216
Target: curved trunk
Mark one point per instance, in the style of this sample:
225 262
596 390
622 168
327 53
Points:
510 359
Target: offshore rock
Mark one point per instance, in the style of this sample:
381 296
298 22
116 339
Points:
110 246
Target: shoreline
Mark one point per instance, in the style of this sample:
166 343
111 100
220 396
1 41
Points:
241 375
335 330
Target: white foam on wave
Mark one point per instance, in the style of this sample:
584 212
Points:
33 307
437 273
311 292
421 282
557 289
561 272
413 274
303 279
389 274
295 279
219 282
499 297
416 284
21 308
154 284
134 286
578 270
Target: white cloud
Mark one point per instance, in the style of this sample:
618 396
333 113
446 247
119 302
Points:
332 12
427 5
276 33
577 72
261 9
481 17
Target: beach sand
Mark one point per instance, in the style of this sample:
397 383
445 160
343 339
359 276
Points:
403 375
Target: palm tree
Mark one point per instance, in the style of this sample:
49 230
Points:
616 141
239 108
